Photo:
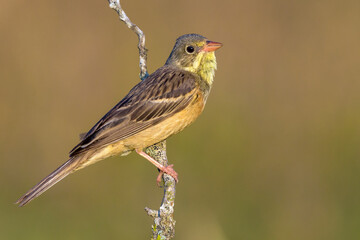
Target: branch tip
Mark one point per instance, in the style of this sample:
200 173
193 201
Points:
164 223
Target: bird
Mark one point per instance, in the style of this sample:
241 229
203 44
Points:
161 105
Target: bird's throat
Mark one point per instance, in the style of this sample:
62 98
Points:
207 68
204 66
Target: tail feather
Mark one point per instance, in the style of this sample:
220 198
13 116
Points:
54 177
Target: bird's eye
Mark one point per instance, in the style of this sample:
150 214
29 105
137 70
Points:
190 49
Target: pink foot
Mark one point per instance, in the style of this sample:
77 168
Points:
168 170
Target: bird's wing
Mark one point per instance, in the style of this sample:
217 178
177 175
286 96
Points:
162 94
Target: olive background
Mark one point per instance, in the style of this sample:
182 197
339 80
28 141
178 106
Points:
275 155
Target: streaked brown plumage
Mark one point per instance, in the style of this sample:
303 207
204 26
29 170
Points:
163 104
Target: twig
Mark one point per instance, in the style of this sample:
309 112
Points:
164 223
115 4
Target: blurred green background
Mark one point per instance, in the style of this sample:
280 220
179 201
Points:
275 154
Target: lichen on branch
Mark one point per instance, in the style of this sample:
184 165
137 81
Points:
164 223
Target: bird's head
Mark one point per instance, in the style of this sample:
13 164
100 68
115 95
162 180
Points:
195 53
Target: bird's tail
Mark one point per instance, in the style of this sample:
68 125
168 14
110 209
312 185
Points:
61 172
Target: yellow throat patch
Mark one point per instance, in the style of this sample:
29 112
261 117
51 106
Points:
205 66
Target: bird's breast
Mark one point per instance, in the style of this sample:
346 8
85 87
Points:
153 134
169 126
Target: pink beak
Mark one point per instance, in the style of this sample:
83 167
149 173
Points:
211 46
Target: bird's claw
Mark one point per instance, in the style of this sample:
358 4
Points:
168 170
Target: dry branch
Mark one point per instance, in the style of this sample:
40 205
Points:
164 223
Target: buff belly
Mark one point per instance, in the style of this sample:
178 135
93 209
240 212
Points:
148 137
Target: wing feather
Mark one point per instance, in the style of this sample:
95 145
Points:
164 93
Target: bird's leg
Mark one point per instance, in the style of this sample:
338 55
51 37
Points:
168 169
